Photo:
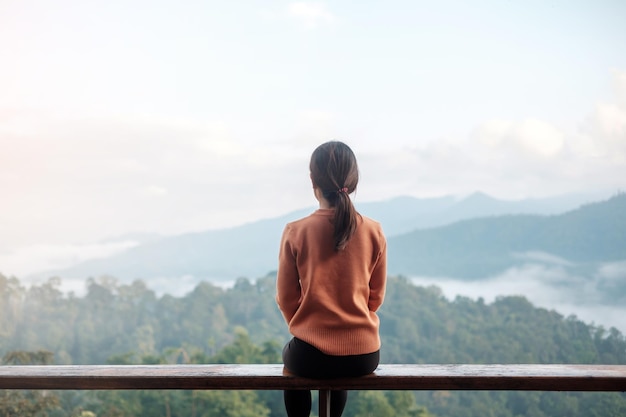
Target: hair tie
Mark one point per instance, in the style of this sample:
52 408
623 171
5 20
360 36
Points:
342 190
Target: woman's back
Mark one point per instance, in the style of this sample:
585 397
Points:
339 291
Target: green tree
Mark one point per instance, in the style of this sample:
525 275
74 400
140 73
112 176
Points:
369 404
242 350
229 404
27 403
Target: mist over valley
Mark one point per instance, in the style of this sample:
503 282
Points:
565 253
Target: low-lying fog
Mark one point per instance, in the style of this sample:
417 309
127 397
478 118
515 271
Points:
547 287
594 297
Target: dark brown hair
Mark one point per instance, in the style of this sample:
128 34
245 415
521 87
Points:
335 172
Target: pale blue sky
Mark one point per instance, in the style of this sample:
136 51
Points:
164 116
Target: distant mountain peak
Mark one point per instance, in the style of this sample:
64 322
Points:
479 196
251 249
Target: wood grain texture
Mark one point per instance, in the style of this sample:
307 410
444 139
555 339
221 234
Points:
274 377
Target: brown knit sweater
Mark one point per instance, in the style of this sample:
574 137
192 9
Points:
329 298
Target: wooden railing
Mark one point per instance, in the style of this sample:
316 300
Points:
274 377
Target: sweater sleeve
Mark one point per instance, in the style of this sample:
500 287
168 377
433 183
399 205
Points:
288 290
378 279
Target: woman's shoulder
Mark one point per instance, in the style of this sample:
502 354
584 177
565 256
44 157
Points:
371 227
312 218
369 222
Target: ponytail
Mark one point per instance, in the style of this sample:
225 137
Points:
334 170
345 220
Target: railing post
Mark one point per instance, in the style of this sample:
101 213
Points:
324 403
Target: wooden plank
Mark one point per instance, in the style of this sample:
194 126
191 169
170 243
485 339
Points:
273 377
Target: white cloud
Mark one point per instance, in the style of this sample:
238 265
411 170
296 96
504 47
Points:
610 120
155 190
603 134
41 257
619 85
507 158
493 132
613 271
310 14
530 136
542 257
62 179
601 138
67 179
539 137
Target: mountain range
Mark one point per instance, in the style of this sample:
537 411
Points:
578 240
468 238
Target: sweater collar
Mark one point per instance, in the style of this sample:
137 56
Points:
324 212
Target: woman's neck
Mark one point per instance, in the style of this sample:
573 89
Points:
324 204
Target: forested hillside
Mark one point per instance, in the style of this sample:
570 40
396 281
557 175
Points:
119 323
478 248
471 238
